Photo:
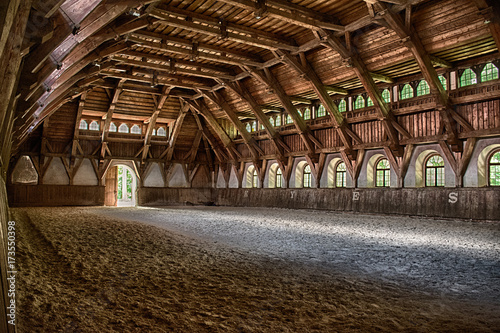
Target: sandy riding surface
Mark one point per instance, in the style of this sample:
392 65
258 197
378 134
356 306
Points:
213 269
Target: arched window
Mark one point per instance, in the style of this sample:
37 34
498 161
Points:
423 88
254 126
94 126
112 127
83 125
123 128
278 120
386 95
494 169
442 79
468 77
135 129
340 175
342 105
249 127
434 171
359 103
383 173
369 102
271 120
161 132
406 92
489 72
255 179
307 114
153 132
279 178
289 119
320 112
307 180
261 126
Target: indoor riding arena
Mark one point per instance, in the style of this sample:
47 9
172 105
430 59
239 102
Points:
249 166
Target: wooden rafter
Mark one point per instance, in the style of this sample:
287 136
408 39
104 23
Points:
152 121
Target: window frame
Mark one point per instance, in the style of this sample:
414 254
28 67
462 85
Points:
278 183
343 173
489 164
386 173
435 168
307 181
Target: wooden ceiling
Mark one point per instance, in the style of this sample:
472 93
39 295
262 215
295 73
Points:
147 61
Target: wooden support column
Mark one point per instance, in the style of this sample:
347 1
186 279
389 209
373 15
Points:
273 135
459 161
414 44
317 168
152 121
354 61
109 116
353 167
76 133
400 164
270 81
169 153
287 168
252 145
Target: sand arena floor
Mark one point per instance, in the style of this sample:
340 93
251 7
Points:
220 269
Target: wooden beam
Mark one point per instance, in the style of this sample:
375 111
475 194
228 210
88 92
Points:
176 131
216 32
152 121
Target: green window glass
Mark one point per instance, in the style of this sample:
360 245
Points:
489 72
383 173
423 88
307 176
340 175
320 112
307 114
494 169
279 178
386 95
369 102
434 171
278 121
406 92
342 105
289 119
442 79
359 103
468 77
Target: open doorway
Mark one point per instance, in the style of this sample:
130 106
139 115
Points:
121 185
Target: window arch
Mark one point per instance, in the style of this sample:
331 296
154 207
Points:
94 126
359 103
307 114
279 178
383 173
83 125
289 119
369 101
342 105
271 120
494 169
135 129
161 132
123 128
406 92
442 79
434 171
307 179
340 175
112 127
468 78
423 88
489 72
320 112
249 127
278 120
386 95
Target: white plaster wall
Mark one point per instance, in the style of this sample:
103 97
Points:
410 179
233 180
292 183
327 173
154 177
178 179
56 173
363 179
268 170
85 174
471 175
221 183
